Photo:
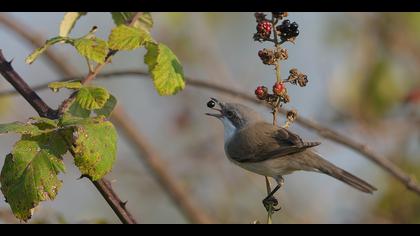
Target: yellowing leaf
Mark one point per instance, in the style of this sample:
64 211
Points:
145 20
35 54
109 106
92 97
21 128
94 146
94 49
29 173
55 86
165 68
68 22
125 37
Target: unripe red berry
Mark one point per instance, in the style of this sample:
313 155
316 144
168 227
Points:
261 92
278 88
264 28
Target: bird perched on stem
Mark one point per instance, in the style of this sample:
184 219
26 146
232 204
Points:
262 148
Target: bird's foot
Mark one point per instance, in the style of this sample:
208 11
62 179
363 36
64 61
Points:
271 202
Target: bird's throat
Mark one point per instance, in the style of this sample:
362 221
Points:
229 129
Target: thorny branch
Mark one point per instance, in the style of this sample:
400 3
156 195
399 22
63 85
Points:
323 131
159 169
167 181
7 71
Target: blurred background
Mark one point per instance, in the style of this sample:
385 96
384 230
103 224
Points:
364 82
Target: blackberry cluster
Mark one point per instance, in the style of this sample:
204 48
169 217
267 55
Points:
288 30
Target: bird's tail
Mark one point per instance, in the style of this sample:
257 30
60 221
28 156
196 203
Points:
326 167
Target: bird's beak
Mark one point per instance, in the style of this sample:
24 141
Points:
217 115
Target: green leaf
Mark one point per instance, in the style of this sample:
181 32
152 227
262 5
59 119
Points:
94 49
68 22
94 147
76 110
21 128
91 98
35 54
121 18
109 106
145 20
44 123
55 86
29 173
67 120
125 37
165 68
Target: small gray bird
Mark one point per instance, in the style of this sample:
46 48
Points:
262 148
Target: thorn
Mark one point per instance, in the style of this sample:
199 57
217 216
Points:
10 62
82 176
123 204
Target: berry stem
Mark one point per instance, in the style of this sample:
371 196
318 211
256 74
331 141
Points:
277 45
270 210
278 76
273 23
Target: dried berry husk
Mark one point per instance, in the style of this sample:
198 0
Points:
267 56
302 80
279 15
285 98
291 115
281 54
259 16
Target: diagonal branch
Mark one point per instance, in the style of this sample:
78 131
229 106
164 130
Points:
23 88
167 182
323 131
159 168
103 186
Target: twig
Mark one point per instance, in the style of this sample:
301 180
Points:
62 66
92 73
23 88
37 40
159 169
7 71
105 188
171 187
323 131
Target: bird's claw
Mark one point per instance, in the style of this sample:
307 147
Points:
271 202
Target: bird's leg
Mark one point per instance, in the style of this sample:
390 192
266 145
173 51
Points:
270 199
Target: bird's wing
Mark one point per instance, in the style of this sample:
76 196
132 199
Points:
265 142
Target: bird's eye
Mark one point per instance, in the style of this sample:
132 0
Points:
229 114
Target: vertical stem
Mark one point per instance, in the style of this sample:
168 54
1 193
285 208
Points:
274 111
270 209
278 75
278 47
